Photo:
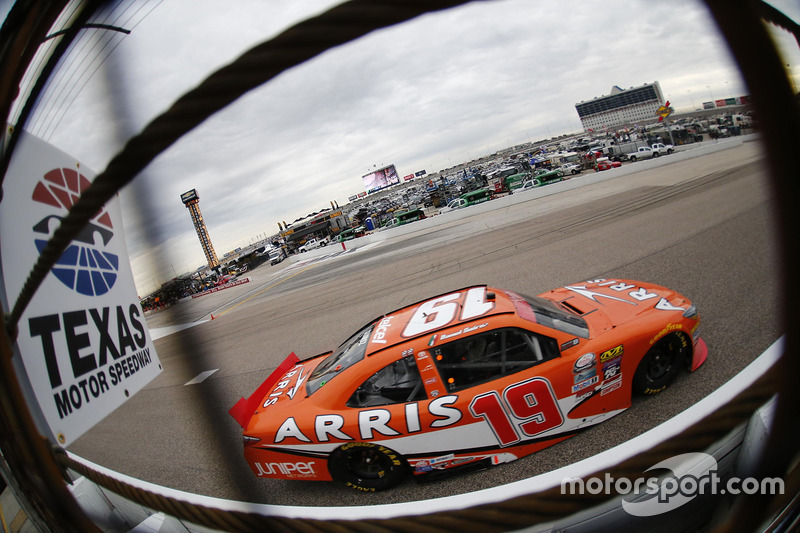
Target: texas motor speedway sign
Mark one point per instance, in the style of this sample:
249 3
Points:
83 339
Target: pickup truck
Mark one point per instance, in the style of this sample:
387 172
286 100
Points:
311 244
663 149
570 168
644 152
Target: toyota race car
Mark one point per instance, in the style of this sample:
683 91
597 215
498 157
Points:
475 377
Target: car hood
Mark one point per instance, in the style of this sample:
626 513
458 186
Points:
609 303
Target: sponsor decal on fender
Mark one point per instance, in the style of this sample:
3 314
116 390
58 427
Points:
583 384
583 363
295 470
569 344
583 376
611 370
610 386
612 353
669 328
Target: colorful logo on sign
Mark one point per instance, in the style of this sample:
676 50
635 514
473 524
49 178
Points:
85 266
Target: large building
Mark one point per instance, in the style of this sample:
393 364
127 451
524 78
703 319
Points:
621 107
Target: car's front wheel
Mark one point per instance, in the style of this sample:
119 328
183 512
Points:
660 364
367 466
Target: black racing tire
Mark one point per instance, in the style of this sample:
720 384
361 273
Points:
660 364
367 466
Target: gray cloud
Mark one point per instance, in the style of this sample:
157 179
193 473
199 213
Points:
428 94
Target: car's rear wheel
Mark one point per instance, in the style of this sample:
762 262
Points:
633 158
656 154
367 466
660 364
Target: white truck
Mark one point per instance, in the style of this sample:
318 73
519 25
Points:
570 168
311 244
663 149
644 152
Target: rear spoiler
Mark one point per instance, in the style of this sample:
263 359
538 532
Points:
243 410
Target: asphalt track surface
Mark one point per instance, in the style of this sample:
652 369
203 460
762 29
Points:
699 224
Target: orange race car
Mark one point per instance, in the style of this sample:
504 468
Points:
467 379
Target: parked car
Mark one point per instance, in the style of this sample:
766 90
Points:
606 164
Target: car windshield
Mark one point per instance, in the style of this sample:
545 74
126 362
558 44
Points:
549 314
349 353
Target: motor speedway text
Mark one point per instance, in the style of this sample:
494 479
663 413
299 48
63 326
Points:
105 347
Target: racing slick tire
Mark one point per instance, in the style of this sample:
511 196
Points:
660 364
367 467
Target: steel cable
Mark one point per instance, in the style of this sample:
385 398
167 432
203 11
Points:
297 44
515 513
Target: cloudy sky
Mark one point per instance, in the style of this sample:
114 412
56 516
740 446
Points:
445 88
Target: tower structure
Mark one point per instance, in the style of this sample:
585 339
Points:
192 203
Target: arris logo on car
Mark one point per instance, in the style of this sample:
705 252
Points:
85 266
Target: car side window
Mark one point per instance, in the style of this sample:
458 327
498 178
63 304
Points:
398 382
487 356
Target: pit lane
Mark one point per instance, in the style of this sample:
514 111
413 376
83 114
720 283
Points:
700 225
